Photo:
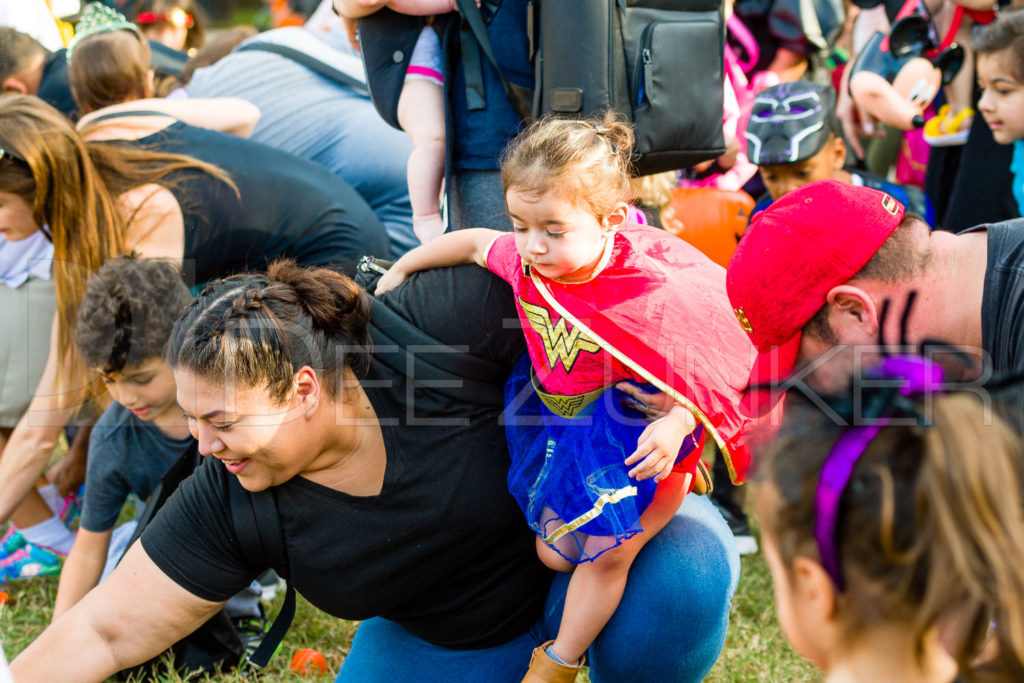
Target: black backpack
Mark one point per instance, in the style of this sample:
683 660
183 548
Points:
657 62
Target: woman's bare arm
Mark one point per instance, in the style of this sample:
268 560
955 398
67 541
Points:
131 617
226 114
28 450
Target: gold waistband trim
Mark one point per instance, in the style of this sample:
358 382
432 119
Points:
602 500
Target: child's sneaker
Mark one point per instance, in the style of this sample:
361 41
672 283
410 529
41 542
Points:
71 513
28 563
11 542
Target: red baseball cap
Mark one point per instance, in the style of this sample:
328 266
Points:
792 254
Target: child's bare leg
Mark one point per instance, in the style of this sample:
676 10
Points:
596 587
421 115
960 90
551 559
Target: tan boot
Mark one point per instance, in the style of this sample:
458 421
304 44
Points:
543 669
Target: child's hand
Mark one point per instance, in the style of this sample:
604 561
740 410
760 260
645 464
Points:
658 446
391 279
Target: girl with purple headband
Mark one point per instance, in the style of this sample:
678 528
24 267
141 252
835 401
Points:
894 543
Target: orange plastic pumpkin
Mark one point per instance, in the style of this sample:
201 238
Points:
710 219
309 662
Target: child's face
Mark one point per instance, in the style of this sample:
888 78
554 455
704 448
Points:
16 220
1002 97
558 237
779 180
168 34
146 389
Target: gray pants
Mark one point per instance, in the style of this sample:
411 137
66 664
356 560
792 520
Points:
476 200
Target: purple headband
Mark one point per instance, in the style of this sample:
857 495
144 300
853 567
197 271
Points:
919 376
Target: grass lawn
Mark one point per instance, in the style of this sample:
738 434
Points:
754 651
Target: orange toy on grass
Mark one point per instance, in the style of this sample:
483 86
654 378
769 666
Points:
309 662
710 219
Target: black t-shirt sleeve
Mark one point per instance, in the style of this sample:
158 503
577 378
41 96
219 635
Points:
192 540
465 306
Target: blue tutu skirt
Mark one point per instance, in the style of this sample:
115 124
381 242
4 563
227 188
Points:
567 474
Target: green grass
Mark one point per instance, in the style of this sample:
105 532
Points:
755 649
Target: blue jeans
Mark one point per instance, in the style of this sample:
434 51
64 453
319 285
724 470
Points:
670 625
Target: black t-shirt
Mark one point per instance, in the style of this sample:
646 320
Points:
443 550
1002 307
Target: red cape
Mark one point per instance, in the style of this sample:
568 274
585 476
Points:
661 308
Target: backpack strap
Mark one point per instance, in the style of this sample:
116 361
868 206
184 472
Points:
474 31
457 375
311 63
258 528
175 474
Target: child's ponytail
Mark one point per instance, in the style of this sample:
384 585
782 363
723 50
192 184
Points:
971 532
620 137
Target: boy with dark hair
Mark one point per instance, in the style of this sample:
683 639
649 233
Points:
126 316
794 137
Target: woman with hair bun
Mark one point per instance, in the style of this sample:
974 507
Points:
391 495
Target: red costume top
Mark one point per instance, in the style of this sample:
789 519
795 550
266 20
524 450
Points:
656 311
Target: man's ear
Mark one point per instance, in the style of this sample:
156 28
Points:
14 84
852 307
839 153
617 218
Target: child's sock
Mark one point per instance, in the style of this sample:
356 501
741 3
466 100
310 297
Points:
52 498
50 534
550 652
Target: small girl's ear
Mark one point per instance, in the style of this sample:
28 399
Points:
814 587
617 218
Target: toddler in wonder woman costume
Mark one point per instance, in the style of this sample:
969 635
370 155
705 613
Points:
602 300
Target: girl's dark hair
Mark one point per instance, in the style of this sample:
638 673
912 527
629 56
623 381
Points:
929 527
259 329
1005 33
127 313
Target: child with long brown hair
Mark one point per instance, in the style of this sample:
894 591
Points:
894 543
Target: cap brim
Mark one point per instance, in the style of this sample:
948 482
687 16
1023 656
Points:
770 371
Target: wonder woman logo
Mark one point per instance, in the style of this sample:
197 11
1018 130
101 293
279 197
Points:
560 344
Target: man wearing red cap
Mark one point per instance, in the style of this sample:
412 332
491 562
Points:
812 273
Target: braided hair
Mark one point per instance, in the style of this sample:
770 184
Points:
127 312
258 329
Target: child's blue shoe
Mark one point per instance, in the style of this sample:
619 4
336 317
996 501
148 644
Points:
29 562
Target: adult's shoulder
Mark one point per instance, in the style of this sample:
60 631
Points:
1005 239
465 306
